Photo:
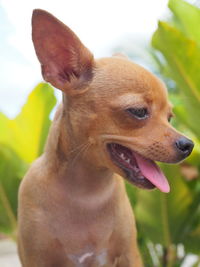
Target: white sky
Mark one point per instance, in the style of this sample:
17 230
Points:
100 25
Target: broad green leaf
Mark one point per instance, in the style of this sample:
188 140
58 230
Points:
183 58
12 169
164 218
188 17
27 133
175 218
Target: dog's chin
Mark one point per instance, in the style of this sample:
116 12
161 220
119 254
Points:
141 172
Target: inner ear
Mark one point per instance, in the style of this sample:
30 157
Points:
65 61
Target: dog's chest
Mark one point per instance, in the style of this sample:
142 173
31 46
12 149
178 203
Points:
89 258
89 242
101 259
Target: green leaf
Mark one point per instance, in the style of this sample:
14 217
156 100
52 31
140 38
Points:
188 17
12 169
165 218
132 193
192 240
175 218
183 58
26 134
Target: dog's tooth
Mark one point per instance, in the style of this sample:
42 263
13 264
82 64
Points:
122 155
136 169
128 160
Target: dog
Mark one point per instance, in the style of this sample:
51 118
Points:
113 124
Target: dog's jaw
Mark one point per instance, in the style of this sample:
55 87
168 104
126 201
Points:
142 172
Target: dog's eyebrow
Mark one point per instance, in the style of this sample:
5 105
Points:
127 100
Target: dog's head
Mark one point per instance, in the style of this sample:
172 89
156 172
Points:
120 108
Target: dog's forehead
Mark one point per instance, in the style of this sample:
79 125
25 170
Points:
118 76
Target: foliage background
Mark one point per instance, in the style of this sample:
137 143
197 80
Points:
169 224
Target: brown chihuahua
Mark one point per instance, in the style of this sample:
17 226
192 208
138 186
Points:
113 123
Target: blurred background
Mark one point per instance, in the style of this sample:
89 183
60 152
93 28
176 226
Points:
161 35
101 25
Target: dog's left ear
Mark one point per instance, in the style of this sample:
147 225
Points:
66 63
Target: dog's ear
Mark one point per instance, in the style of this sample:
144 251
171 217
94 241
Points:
66 63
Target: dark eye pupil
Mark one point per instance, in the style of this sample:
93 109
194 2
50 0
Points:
139 113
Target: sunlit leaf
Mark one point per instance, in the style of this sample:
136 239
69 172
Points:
183 58
188 17
12 169
27 133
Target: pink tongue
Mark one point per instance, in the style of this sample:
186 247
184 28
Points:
153 173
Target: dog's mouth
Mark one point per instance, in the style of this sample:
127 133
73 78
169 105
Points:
138 170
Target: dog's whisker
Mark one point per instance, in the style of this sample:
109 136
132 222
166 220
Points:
81 111
81 151
77 148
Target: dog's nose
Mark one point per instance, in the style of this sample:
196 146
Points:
184 146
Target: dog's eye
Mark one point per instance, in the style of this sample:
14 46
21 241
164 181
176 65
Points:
138 113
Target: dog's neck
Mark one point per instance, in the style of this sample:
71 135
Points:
86 179
73 166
